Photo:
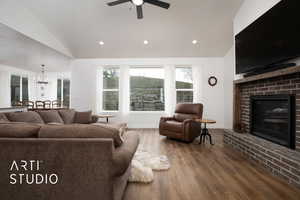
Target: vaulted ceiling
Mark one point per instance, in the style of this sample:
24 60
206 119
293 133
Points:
81 24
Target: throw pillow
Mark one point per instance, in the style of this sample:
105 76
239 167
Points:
83 117
67 115
30 117
3 117
51 116
122 127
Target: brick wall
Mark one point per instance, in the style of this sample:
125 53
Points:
280 161
289 84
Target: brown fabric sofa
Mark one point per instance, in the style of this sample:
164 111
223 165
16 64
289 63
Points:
90 160
181 126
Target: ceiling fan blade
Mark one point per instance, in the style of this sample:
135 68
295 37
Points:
158 3
139 10
114 3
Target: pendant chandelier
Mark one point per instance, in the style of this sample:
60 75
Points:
42 78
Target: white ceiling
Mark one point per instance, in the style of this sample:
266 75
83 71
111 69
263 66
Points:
81 24
23 52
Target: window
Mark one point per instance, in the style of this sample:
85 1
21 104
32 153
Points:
110 91
25 89
18 89
59 84
184 84
66 93
63 92
147 89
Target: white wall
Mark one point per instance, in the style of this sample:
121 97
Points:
229 71
86 92
16 16
250 11
50 90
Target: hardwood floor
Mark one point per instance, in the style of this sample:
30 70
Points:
206 172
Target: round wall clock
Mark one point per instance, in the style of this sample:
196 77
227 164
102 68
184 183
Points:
212 81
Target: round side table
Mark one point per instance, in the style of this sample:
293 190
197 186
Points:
204 131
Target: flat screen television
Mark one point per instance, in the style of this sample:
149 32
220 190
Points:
272 39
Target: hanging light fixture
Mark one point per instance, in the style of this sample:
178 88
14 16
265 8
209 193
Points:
42 80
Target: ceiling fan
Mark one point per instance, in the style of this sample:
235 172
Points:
139 4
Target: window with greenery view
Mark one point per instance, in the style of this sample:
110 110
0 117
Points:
184 85
111 89
18 89
147 89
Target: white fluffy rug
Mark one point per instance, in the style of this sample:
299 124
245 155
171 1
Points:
143 164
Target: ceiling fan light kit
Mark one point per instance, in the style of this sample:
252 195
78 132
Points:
139 4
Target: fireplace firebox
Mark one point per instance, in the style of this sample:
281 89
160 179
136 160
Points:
273 118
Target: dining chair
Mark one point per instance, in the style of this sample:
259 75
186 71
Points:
28 104
17 103
47 104
56 104
39 105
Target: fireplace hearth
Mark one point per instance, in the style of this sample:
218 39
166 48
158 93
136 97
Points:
272 117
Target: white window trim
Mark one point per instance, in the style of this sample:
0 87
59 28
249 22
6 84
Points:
110 90
183 89
150 111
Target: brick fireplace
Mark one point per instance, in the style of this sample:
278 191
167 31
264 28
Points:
280 159
280 85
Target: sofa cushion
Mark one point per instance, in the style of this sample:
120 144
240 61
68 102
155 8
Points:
67 116
83 117
51 116
172 126
19 130
3 117
30 117
80 131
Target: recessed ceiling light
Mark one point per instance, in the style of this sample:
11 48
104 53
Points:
101 43
194 41
138 2
146 42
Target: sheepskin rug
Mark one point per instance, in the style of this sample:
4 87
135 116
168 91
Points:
144 163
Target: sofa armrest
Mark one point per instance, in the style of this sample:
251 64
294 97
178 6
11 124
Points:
83 167
95 119
123 155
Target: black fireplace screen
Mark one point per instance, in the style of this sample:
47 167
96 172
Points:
273 118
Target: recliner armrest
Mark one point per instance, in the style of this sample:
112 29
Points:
187 121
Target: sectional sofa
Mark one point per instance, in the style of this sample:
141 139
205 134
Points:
63 155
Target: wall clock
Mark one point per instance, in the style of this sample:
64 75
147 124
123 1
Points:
212 81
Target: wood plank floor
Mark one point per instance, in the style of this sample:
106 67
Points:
206 172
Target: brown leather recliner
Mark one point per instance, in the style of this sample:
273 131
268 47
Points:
182 126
